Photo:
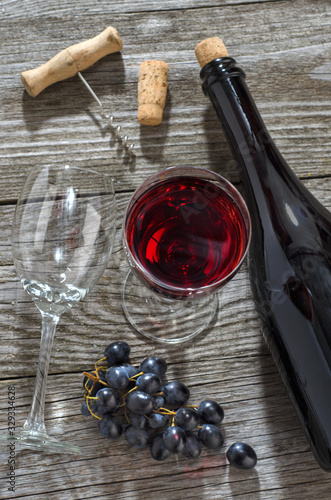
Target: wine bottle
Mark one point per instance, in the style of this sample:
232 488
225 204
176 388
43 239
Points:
290 254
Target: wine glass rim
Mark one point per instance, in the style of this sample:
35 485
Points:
243 210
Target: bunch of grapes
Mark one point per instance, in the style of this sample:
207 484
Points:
157 414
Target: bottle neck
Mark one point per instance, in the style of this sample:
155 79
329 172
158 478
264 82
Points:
252 147
246 132
263 168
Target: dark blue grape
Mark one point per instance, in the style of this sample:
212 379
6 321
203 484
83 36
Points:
241 455
117 377
174 439
110 427
108 400
158 451
139 402
192 446
132 370
138 438
210 412
85 411
187 418
117 352
88 384
210 436
154 364
149 382
102 375
87 406
158 402
175 394
156 420
138 421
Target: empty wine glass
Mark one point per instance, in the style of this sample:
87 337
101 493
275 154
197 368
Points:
62 239
186 232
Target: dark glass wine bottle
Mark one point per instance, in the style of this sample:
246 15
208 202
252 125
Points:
290 254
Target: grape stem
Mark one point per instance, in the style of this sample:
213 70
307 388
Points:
89 409
165 411
133 389
99 361
136 375
90 376
126 414
103 368
95 379
103 383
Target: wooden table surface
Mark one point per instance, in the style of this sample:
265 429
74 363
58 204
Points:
285 49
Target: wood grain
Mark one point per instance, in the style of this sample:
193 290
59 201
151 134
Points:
51 8
64 120
281 45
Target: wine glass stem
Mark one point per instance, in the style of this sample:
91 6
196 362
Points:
35 421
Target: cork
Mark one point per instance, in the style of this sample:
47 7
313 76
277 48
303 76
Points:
210 49
71 60
152 91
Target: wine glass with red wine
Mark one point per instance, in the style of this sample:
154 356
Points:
186 232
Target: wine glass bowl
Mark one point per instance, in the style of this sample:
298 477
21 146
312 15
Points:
186 232
62 238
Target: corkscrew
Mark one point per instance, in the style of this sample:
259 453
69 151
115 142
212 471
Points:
72 61
110 119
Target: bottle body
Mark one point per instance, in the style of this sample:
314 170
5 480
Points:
290 255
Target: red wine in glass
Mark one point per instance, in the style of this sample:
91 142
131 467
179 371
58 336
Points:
186 233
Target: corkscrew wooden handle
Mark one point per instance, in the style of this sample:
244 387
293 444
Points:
71 60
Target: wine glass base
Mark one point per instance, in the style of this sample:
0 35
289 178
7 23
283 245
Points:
40 441
165 320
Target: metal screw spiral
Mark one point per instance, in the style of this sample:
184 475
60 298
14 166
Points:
110 119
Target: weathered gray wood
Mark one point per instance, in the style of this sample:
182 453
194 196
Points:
35 9
63 121
282 46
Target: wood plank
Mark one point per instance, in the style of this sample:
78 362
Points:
277 438
11 8
63 121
